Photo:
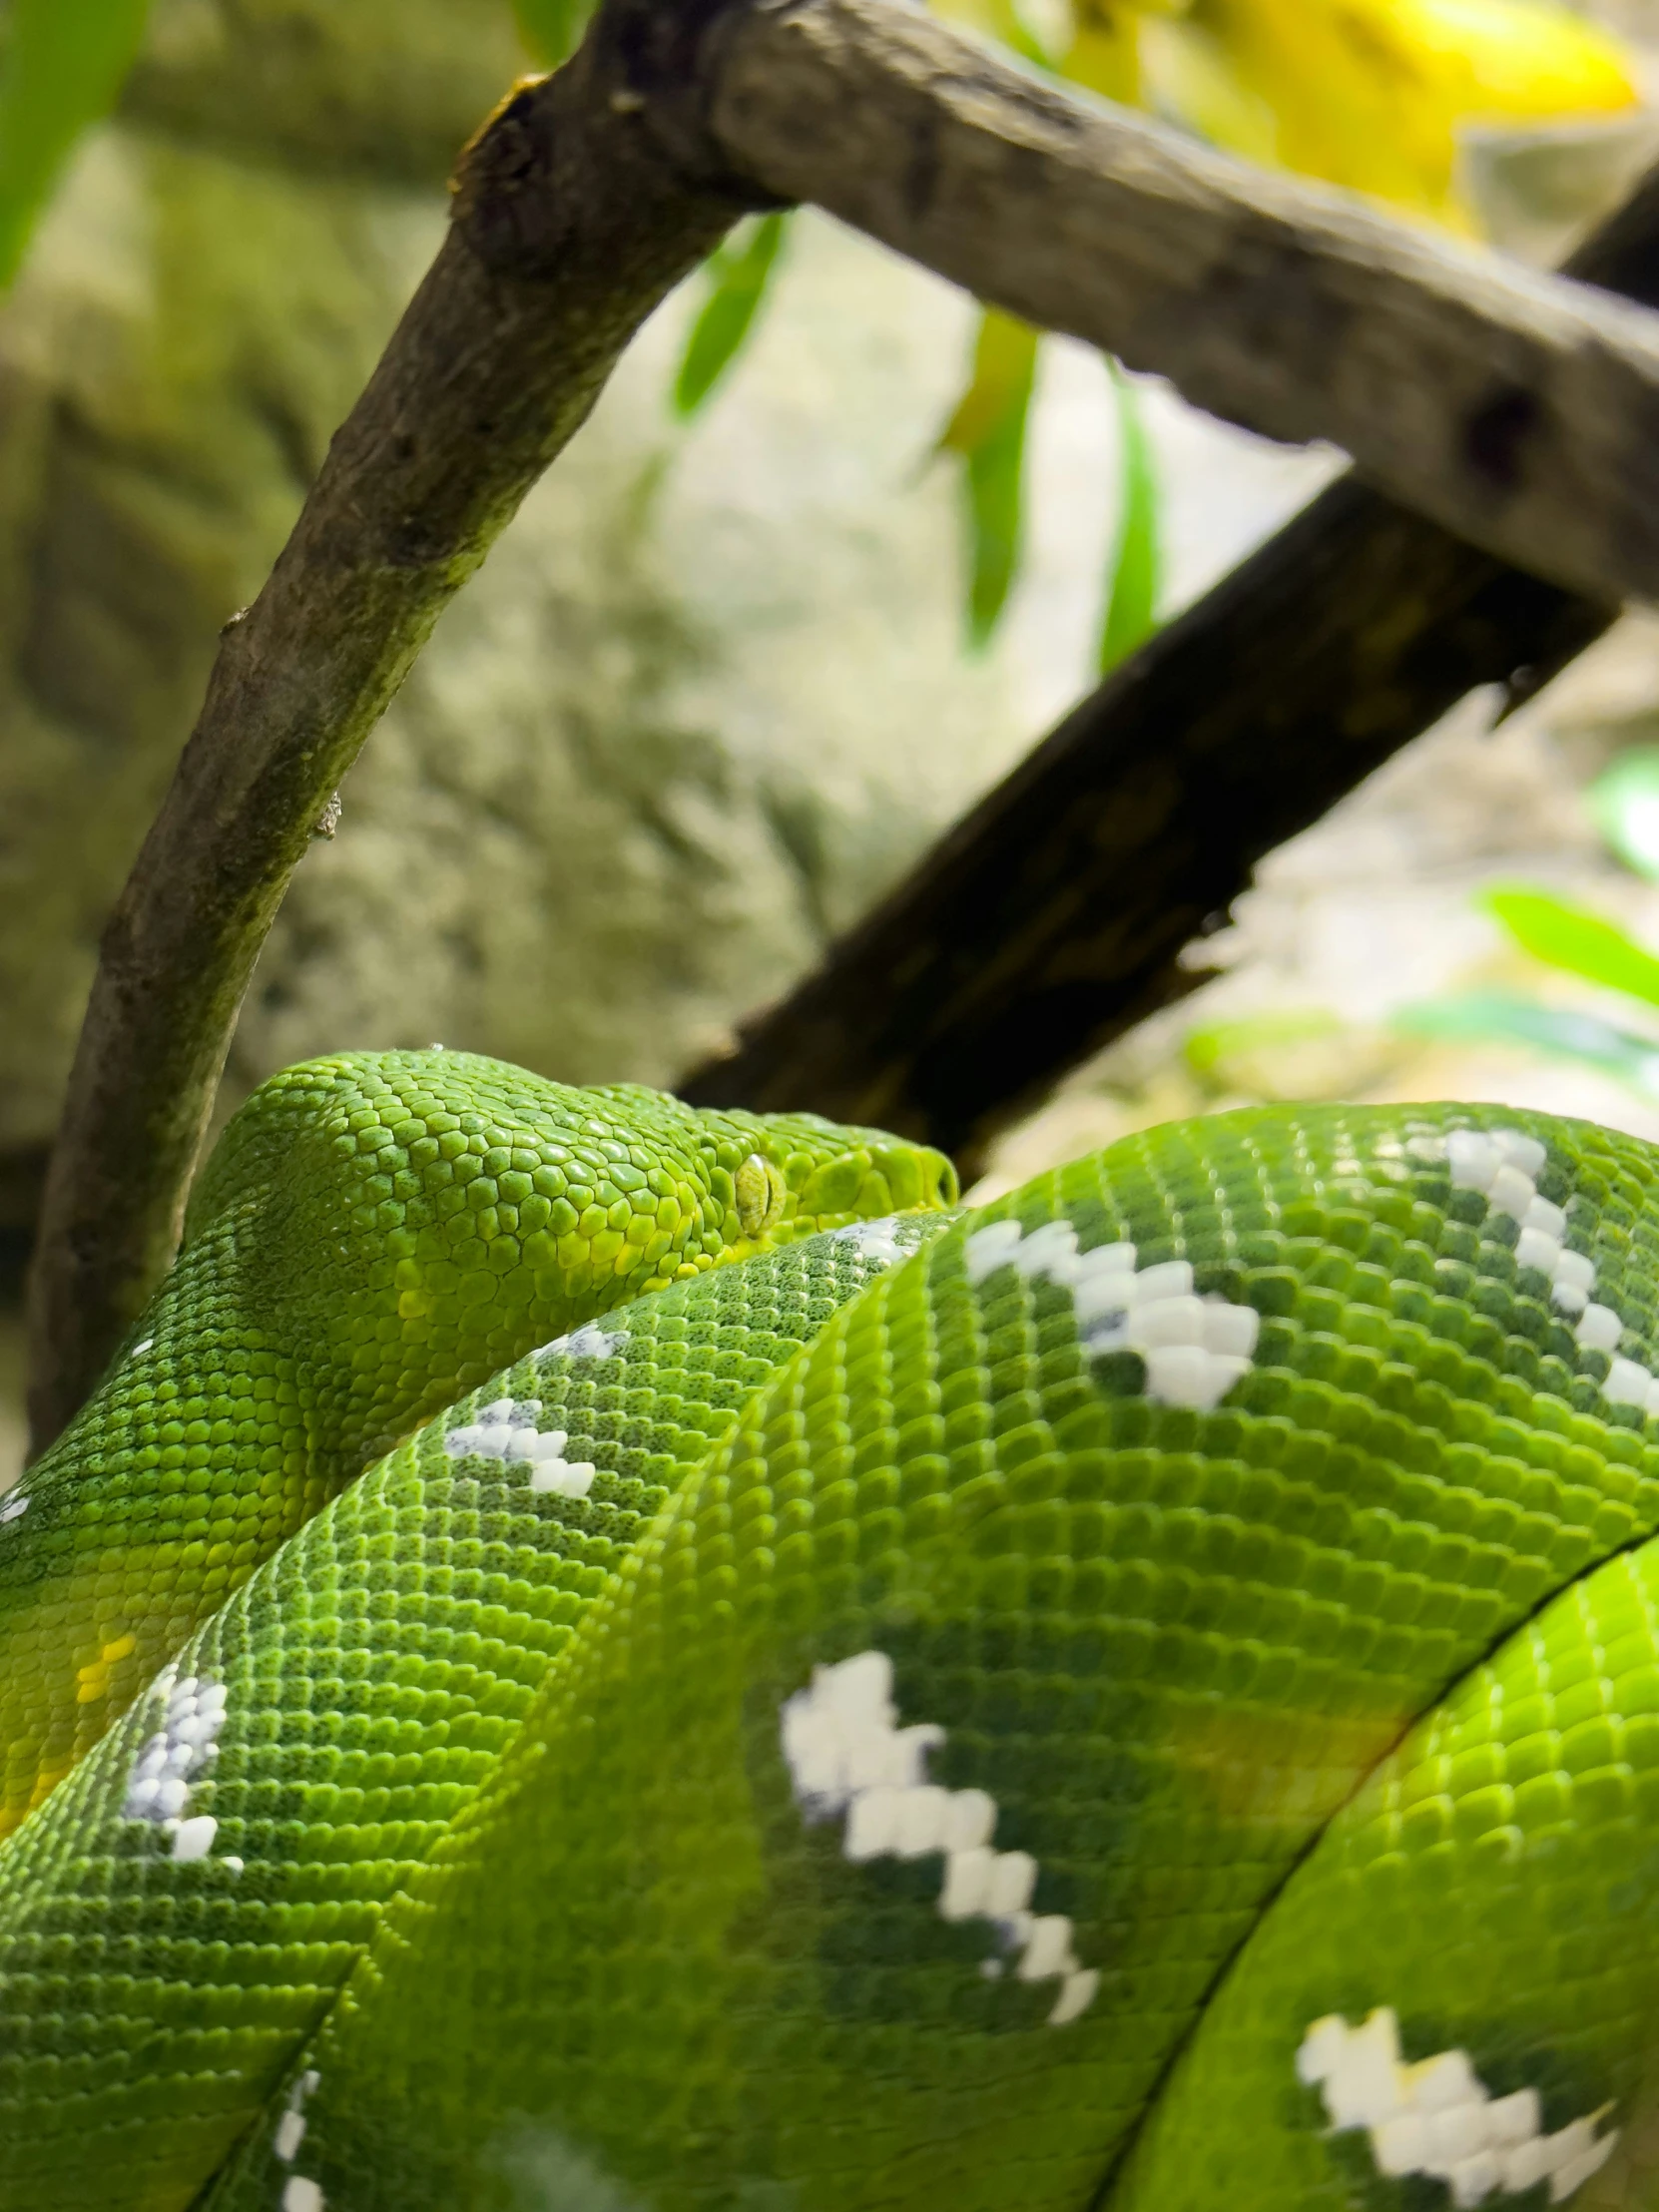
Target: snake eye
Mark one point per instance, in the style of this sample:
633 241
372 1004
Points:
759 1195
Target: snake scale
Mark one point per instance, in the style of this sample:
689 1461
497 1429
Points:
588 1656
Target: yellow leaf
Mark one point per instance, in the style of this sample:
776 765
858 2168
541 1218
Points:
1522 60
1104 52
1371 92
1183 72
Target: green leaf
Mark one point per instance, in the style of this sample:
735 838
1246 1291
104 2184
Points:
1132 585
1579 941
988 429
1625 805
62 64
740 273
551 29
1211 1050
1499 1017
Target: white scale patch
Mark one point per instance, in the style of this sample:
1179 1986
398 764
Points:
291 2129
1194 1349
877 1240
1503 1165
1438 2118
179 1754
590 1341
302 2195
847 1755
13 1509
507 1430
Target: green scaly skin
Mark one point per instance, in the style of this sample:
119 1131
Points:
364 1707
564 1850
375 1235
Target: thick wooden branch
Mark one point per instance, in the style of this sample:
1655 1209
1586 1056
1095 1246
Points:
1054 916
1516 409
570 223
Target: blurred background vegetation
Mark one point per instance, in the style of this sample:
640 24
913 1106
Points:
834 550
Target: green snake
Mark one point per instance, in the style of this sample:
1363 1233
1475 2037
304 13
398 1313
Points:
589 1656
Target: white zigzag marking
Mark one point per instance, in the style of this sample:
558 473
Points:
291 2129
506 1430
847 1755
1503 1165
1194 1349
590 1341
1438 2118
177 1755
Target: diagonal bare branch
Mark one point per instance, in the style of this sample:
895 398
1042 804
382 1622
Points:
1517 410
570 223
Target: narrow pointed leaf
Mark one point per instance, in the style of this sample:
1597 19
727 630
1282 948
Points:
1217 1050
988 429
1136 571
1580 942
739 276
62 64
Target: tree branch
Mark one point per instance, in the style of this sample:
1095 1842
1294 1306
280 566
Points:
569 226
1054 916
1518 410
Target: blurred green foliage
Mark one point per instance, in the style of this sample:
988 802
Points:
738 276
551 29
62 64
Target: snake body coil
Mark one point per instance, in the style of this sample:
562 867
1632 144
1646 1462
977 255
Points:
1142 1697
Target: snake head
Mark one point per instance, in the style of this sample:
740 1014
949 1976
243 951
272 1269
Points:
774 1177
413 1221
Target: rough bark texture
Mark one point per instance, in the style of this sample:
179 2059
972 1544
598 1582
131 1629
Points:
570 224
1515 409
1055 915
